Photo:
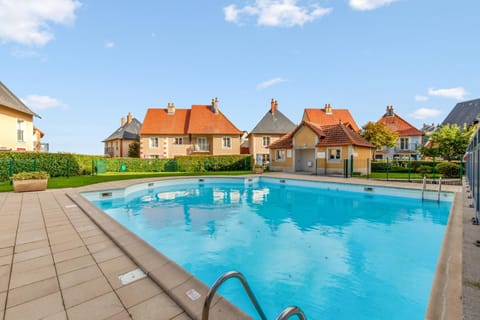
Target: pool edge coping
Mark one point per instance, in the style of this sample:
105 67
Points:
445 300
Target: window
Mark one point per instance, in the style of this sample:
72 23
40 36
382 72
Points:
263 158
334 154
154 143
179 140
266 141
202 144
227 143
280 155
20 130
404 144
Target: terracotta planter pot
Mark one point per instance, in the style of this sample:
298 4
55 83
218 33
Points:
30 185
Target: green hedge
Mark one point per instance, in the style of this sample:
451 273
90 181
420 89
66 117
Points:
400 165
67 164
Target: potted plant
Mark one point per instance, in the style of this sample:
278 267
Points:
30 181
258 168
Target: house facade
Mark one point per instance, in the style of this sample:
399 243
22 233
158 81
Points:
118 143
329 116
321 150
200 130
271 127
16 123
409 141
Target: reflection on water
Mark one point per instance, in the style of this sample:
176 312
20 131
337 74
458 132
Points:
335 254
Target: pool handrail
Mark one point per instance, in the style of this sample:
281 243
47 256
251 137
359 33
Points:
219 282
291 311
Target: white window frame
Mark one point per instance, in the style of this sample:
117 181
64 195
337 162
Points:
337 154
265 141
202 144
178 141
20 130
280 155
404 143
226 143
153 142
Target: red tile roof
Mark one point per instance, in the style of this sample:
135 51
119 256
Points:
398 124
330 135
200 119
204 121
158 121
321 118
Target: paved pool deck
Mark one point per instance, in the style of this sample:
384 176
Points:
61 258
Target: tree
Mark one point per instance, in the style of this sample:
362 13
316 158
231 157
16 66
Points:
379 135
134 150
449 142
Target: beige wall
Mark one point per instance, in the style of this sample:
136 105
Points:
168 149
361 160
286 165
256 144
8 130
305 137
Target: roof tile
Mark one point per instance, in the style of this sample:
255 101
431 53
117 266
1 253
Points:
320 117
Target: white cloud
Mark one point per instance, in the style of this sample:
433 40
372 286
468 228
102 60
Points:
421 98
424 113
457 93
276 13
38 102
109 44
364 5
269 83
27 22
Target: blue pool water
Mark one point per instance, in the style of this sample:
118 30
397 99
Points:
335 254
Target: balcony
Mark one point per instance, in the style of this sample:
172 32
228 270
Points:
406 147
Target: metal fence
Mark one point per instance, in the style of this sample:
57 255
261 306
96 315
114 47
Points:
473 170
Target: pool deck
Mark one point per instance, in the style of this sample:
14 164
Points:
61 258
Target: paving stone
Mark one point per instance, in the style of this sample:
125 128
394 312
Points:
20 279
182 316
6 251
56 248
99 308
76 277
74 264
5 260
4 277
138 291
62 315
85 291
156 308
3 297
120 316
70 254
107 254
36 309
32 291
31 246
31 254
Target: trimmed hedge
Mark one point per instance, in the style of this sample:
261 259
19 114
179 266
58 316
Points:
449 169
67 164
400 166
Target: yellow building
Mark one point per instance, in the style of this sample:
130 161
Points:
16 123
321 150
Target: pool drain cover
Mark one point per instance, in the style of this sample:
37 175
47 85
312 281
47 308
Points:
131 276
193 294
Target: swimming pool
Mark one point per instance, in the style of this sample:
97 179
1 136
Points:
335 250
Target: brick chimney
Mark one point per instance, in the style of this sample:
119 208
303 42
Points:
276 105
272 106
129 117
389 111
122 121
215 105
171 108
328 108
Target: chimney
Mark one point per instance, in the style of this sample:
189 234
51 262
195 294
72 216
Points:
129 117
272 106
171 108
215 105
328 108
276 105
389 111
123 121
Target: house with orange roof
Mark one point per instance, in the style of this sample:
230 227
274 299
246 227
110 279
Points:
328 116
321 150
409 138
200 130
269 129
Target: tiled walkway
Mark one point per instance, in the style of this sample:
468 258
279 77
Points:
55 263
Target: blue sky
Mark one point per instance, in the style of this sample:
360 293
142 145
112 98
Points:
82 65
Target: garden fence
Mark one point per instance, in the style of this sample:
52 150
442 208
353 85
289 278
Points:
473 170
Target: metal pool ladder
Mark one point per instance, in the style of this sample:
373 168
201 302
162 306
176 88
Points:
285 314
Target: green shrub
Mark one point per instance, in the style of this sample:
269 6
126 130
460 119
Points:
449 169
36 175
424 169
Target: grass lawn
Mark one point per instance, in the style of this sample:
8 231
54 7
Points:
79 181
